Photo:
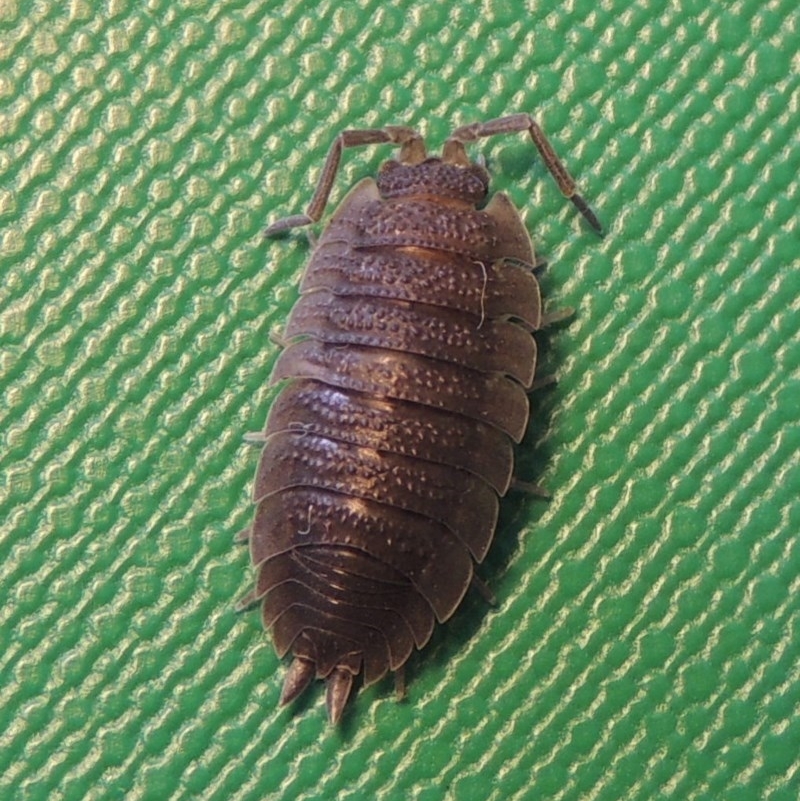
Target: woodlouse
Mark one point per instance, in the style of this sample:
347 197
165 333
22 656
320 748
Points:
407 360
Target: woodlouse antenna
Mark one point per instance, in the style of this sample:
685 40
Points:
412 151
516 123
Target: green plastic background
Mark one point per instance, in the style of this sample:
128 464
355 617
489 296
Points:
646 640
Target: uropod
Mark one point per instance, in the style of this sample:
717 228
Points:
408 358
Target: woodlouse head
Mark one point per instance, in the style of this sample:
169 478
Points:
434 178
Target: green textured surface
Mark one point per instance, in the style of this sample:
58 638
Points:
646 644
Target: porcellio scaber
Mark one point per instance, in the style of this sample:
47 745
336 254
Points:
407 362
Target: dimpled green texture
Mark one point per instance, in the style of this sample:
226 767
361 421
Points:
646 638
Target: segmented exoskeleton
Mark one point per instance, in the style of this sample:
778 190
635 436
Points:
407 363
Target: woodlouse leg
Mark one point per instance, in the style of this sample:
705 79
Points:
543 383
400 683
483 588
243 537
277 339
530 488
538 265
248 600
454 152
412 151
554 317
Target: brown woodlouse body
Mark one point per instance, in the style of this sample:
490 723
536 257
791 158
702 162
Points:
408 359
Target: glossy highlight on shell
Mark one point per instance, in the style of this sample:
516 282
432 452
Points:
406 368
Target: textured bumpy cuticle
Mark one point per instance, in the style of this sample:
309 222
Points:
407 361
